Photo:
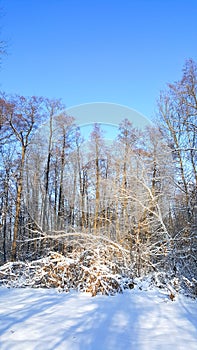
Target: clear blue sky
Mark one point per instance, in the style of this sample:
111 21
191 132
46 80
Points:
117 51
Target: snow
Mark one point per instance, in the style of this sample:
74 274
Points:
43 319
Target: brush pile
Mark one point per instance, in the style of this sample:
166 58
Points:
101 270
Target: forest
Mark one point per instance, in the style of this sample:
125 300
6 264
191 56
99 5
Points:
93 215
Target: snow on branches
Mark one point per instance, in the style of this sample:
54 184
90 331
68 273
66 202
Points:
83 269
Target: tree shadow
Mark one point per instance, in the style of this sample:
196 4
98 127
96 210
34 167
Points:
135 320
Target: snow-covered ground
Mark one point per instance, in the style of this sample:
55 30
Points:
41 319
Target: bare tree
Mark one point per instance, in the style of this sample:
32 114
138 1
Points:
177 114
97 140
177 119
53 107
64 127
21 114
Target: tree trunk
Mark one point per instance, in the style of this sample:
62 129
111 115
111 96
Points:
18 206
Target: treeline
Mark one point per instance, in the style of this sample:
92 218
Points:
139 191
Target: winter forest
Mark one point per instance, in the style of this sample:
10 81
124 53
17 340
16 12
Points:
93 215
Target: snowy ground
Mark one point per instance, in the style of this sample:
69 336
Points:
44 319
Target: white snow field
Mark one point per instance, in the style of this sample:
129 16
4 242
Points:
43 319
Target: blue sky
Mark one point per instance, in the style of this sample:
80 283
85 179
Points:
86 51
